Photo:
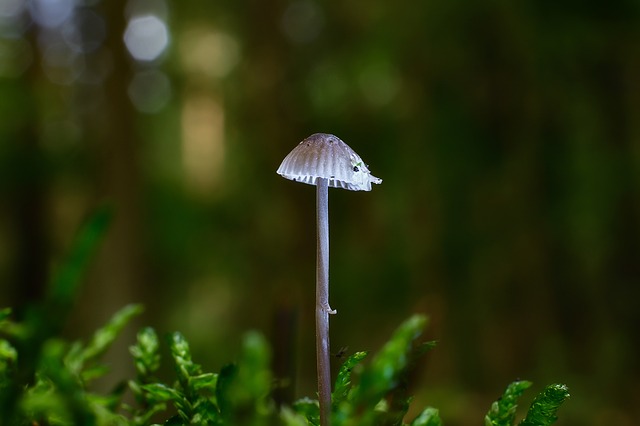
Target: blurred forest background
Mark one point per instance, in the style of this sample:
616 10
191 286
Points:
507 134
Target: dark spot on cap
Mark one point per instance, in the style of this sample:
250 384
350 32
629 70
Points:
356 169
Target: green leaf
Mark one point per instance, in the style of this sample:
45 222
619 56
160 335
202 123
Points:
66 279
161 393
291 418
343 380
8 354
57 383
429 417
93 372
392 409
254 373
79 359
181 354
146 354
309 409
104 337
226 379
503 411
380 395
45 404
204 382
388 364
11 330
243 389
5 313
545 406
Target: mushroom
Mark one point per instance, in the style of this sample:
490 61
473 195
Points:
326 161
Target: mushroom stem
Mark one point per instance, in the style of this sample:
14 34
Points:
322 302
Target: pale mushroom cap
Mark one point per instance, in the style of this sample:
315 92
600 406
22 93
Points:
326 156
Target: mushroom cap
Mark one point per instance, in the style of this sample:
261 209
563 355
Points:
322 155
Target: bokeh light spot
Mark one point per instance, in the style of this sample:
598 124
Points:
51 13
202 143
146 37
210 53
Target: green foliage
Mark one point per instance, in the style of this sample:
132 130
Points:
343 381
238 394
503 411
59 394
8 354
373 393
44 379
542 411
30 352
376 394
82 360
146 358
428 417
545 406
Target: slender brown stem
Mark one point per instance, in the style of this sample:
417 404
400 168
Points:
322 303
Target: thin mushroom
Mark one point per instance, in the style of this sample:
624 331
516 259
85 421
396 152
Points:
325 161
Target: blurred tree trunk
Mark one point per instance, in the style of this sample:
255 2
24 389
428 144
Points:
27 194
117 277
114 134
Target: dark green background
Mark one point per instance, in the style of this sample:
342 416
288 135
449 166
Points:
507 135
